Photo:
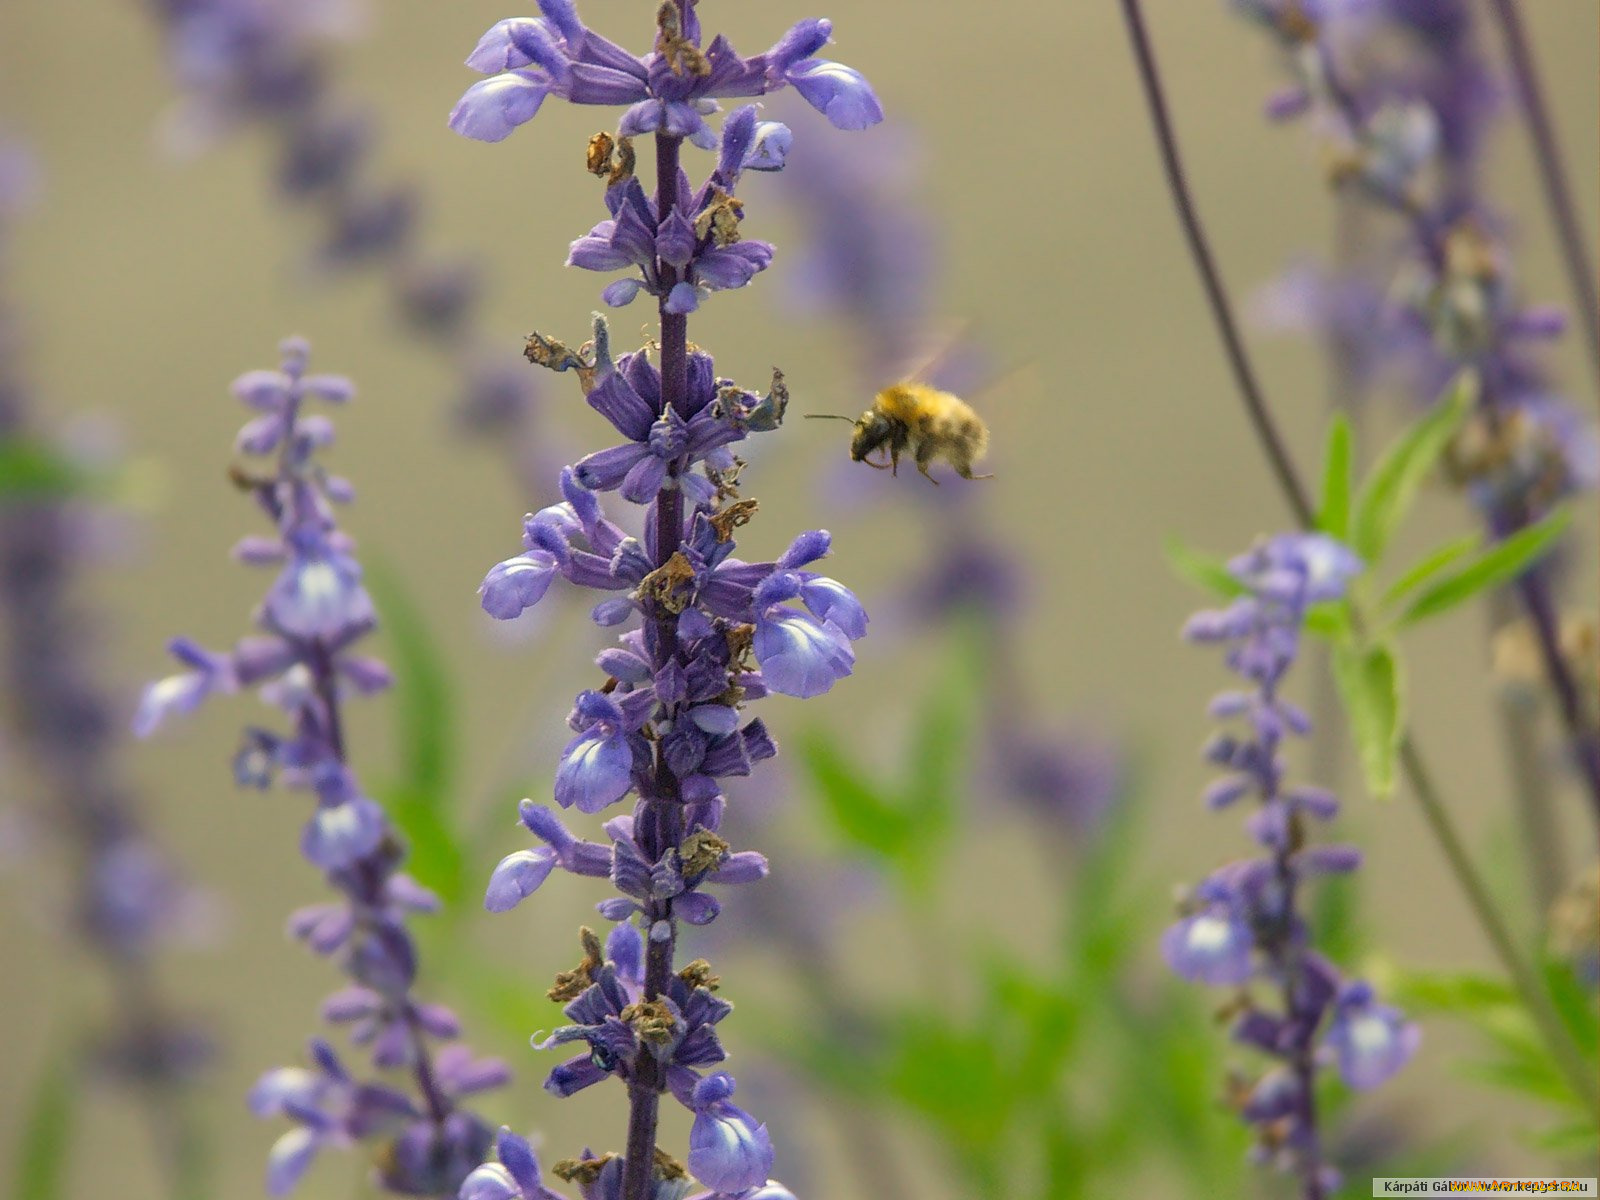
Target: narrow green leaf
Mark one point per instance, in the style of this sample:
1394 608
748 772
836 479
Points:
1370 686
48 1129
1387 493
1499 564
858 810
1203 570
32 470
1333 514
421 800
1329 620
1430 565
937 769
1575 1002
1460 993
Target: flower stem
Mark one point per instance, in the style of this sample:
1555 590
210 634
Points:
1534 588
1244 376
438 1104
664 809
1418 776
1552 174
1568 1058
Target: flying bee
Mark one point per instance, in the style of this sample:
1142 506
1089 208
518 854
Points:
919 419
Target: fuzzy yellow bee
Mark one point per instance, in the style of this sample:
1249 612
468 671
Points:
922 420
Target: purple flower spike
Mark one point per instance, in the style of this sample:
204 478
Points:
1244 923
699 632
727 1149
304 661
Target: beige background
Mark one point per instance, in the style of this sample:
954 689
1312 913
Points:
149 284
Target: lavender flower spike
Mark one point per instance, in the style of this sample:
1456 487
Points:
700 633
303 660
1242 925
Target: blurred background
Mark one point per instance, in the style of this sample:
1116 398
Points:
145 280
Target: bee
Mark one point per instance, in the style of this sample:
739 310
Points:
922 420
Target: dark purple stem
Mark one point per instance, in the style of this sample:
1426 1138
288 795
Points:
1553 175
1534 589
1286 953
663 829
438 1103
1289 482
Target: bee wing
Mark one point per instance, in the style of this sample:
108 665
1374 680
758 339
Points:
944 355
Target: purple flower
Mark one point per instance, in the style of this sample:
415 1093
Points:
182 694
667 90
1212 946
328 1107
596 767
727 1149
1371 1041
515 1177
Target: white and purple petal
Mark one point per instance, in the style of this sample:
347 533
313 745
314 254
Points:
595 771
800 656
491 108
836 91
517 877
516 584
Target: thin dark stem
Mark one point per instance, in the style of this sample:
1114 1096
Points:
1294 490
1567 1055
1412 764
661 823
1530 776
427 1082
1575 254
438 1104
1534 589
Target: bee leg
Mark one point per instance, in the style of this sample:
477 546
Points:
965 471
876 466
894 461
922 465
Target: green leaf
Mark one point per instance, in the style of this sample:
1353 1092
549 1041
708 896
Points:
1329 620
1370 686
32 470
1575 1004
859 811
1459 993
1430 565
1203 570
936 773
1333 514
421 801
1574 1139
1499 564
47 1132
1387 493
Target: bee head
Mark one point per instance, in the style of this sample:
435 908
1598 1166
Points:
873 431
